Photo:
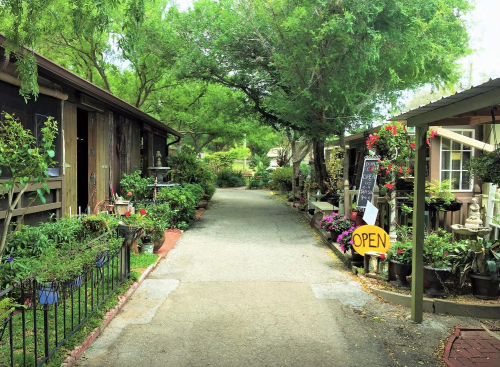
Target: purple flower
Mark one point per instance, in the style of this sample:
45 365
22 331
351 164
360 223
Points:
10 259
342 247
350 242
345 217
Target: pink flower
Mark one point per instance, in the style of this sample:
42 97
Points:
342 247
408 169
400 169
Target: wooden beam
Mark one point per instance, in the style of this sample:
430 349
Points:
54 184
477 144
476 102
466 120
417 281
32 209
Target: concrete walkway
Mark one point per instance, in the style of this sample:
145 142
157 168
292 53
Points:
251 285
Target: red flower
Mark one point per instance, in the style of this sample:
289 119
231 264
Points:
433 133
129 194
445 254
399 251
428 142
400 169
386 171
408 169
370 146
127 214
412 145
389 166
381 168
382 256
370 168
388 127
142 211
394 130
389 186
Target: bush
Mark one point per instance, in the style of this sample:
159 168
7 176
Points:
188 169
137 185
228 178
182 201
282 177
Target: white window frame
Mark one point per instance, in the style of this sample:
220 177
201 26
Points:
461 159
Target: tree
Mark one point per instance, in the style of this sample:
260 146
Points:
322 68
24 161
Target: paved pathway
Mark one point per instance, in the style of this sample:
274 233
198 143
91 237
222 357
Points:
248 285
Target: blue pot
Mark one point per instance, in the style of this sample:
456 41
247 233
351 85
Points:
101 260
76 283
47 294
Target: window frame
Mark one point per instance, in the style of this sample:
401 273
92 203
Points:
457 130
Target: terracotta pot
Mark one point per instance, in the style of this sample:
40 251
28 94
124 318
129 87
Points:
158 244
433 281
353 215
483 287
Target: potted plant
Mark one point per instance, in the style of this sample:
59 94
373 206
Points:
440 196
479 261
400 256
485 167
437 262
132 225
336 224
345 242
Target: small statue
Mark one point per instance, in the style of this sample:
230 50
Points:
158 159
474 219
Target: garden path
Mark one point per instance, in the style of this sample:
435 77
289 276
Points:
252 285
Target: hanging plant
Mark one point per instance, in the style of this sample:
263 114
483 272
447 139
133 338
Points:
396 149
485 167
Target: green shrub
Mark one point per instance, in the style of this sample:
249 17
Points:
137 185
182 200
228 178
282 177
188 169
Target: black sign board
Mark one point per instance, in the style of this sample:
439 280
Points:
368 180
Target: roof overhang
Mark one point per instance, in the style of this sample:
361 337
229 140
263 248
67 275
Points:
470 107
64 76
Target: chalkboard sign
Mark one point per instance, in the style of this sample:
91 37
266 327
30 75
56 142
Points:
368 180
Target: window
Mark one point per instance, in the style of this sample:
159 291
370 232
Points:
454 159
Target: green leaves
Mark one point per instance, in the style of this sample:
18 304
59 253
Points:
51 153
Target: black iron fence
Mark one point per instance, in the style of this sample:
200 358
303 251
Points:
46 315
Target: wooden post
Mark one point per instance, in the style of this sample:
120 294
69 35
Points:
417 286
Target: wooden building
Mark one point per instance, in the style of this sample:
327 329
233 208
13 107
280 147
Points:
100 137
446 158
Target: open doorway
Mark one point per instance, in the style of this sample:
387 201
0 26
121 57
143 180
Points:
82 156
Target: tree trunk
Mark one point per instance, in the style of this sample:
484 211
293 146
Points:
295 165
319 163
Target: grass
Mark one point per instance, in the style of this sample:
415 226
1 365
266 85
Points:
138 263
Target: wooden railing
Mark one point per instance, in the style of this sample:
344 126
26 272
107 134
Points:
24 207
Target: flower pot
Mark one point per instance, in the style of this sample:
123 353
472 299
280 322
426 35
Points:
101 259
121 207
483 287
47 293
76 283
434 281
353 215
355 257
159 243
148 248
335 235
402 271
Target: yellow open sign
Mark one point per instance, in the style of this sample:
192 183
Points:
370 238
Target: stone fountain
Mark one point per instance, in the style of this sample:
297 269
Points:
473 227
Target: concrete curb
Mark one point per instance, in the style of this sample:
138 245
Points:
443 307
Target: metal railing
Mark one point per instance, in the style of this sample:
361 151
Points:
50 313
